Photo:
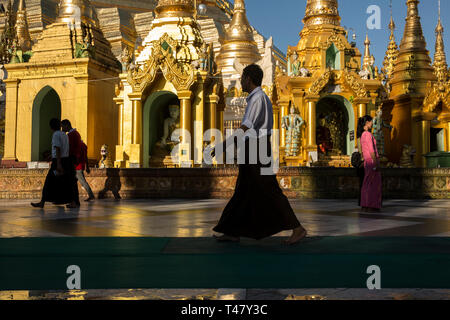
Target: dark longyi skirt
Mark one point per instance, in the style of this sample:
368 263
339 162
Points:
258 208
59 189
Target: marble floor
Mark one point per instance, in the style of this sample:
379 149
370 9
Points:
196 218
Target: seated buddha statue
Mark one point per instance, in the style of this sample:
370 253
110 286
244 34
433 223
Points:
324 140
165 145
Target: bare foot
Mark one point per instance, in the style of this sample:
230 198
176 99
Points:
38 204
73 205
226 238
297 235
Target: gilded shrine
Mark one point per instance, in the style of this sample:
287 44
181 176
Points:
150 78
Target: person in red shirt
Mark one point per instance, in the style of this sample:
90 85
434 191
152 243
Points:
78 153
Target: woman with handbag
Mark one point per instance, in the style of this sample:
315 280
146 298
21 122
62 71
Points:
371 192
358 159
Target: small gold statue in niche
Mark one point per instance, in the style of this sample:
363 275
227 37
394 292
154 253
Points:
163 148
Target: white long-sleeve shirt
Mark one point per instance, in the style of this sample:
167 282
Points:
259 113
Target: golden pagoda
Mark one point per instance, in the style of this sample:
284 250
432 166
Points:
71 74
437 100
327 87
239 44
238 49
174 67
412 73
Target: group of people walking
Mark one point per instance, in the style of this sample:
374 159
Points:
369 170
69 161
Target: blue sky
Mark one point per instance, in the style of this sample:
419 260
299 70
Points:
282 19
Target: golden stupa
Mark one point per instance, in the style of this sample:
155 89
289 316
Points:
323 82
239 43
70 56
117 71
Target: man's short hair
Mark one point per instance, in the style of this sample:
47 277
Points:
255 73
55 124
66 122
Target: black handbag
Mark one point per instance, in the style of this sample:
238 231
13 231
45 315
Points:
356 159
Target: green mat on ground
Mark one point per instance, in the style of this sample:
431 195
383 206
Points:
321 262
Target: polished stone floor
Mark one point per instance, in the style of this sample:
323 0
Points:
196 218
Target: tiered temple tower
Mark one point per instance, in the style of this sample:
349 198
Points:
437 100
391 53
175 66
238 44
71 74
412 73
238 49
324 86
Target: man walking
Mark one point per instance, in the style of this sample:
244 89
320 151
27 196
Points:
78 153
58 186
258 208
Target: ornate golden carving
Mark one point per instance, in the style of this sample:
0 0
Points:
436 93
334 38
353 81
320 83
180 74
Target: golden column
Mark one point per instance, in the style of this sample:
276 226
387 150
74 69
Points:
283 111
447 128
136 147
119 102
212 101
12 96
220 118
276 117
421 135
445 119
185 112
311 125
361 104
187 137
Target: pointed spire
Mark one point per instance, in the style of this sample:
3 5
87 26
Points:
413 70
440 59
23 33
239 43
369 60
239 28
367 47
392 51
413 38
320 12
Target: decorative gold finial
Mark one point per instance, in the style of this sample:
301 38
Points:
23 34
239 43
440 59
76 11
392 51
322 12
369 60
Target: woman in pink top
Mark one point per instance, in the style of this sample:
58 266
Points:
371 193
